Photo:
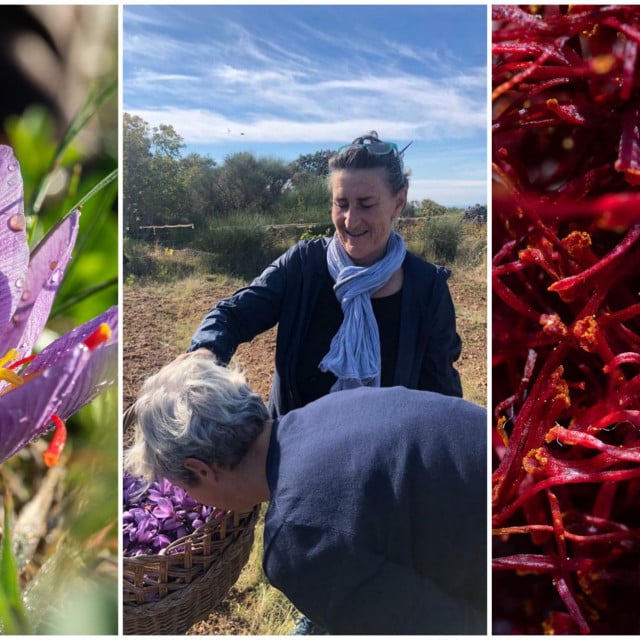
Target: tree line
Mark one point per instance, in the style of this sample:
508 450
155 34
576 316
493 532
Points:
164 187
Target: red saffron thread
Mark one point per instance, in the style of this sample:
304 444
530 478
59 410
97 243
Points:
98 337
19 363
51 456
566 319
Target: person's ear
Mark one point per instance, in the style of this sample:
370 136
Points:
401 201
200 469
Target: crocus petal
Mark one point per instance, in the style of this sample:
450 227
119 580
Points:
14 251
44 276
165 486
25 412
98 375
99 370
147 529
161 541
139 514
78 334
163 508
170 524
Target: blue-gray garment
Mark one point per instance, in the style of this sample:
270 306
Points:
355 355
285 294
377 518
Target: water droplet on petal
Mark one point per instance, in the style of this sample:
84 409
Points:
12 181
17 222
19 283
55 277
12 166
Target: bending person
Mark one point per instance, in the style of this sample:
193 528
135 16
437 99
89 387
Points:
377 496
357 309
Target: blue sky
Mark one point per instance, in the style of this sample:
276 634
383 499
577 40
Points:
286 80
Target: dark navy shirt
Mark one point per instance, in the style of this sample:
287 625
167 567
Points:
377 518
325 322
286 292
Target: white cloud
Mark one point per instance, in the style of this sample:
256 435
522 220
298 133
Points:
300 84
146 78
241 77
132 17
258 101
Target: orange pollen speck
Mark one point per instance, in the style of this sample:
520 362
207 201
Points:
603 63
586 330
552 325
98 337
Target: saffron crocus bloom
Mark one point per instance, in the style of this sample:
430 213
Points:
155 516
38 393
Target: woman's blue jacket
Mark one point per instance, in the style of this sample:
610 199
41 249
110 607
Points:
285 294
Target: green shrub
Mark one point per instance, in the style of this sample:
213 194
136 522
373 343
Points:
472 250
309 195
241 250
442 236
315 232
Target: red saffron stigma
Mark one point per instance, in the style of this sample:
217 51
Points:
51 456
19 363
98 337
565 319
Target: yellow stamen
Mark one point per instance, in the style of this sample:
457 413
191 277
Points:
6 374
12 354
11 377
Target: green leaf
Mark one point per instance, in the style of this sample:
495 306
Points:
101 185
93 103
83 295
12 612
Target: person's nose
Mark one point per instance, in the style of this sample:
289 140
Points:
351 218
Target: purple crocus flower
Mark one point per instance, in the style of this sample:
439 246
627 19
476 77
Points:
154 516
72 370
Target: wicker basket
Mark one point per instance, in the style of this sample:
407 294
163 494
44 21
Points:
166 594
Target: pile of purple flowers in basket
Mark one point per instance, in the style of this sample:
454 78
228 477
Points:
155 516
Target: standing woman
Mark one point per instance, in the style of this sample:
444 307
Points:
356 309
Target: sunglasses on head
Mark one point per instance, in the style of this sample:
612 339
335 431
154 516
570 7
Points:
376 147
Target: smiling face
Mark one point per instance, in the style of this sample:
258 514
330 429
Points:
363 212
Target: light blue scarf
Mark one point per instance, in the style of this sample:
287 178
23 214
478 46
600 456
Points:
354 355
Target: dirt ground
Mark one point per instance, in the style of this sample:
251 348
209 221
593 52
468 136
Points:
159 320
158 323
155 321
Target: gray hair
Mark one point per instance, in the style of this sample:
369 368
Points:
193 408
